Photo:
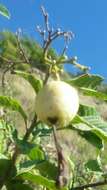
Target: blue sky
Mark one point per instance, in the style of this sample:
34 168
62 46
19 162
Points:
86 18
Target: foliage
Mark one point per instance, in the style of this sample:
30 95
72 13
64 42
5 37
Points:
11 50
25 161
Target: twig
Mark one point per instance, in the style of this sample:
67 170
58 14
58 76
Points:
21 50
46 17
73 61
52 37
49 35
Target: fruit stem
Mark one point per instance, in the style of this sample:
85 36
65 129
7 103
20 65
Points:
61 179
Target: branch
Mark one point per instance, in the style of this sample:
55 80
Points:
49 35
55 35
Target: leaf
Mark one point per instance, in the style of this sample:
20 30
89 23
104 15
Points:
5 165
13 105
92 138
24 146
4 11
37 153
16 185
87 84
41 130
84 130
35 83
90 120
85 110
40 180
93 93
87 81
27 166
94 165
48 169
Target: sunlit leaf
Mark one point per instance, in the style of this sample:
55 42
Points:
36 153
87 81
12 104
4 11
90 120
35 83
40 180
93 93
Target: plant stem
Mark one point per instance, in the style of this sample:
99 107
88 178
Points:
61 179
30 129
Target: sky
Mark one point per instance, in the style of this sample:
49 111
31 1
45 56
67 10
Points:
86 18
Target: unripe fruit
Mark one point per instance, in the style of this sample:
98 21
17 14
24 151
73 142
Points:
57 103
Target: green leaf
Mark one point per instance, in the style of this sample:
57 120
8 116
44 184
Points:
41 130
5 165
37 153
4 11
48 169
85 110
90 120
87 81
13 105
35 83
93 93
24 146
27 166
40 180
94 165
16 185
85 131
92 138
